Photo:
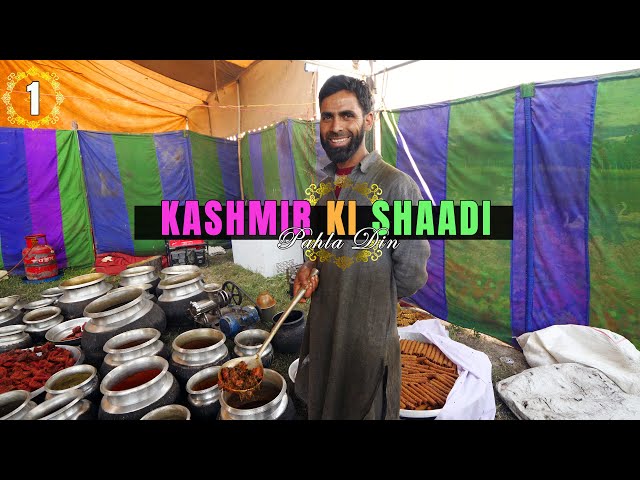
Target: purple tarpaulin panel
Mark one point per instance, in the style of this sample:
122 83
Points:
15 215
107 205
562 131
228 160
285 163
174 165
426 132
41 154
519 243
257 170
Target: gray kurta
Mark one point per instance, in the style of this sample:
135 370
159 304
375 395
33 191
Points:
350 355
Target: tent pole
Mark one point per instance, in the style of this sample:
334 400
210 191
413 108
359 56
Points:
238 140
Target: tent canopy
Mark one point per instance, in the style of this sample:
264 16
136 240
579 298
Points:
210 75
113 95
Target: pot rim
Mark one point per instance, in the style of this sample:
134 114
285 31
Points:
199 332
7 303
54 312
96 305
11 330
288 320
26 398
134 364
151 334
134 271
91 278
252 411
180 280
201 375
55 405
169 271
40 303
70 371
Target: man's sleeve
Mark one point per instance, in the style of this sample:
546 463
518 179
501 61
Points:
410 257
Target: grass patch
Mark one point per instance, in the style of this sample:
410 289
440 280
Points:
14 285
221 269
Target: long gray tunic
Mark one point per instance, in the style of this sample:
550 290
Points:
350 356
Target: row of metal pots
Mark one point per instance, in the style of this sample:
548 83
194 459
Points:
195 360
140 387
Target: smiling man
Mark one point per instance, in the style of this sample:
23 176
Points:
350 356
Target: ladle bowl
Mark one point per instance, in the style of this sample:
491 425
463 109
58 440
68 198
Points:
254 361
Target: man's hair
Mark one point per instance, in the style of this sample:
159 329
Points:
342 82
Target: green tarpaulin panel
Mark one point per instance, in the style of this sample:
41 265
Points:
480 167
614 208
73 201
138 166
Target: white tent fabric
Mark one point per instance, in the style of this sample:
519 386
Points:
567 391
599 348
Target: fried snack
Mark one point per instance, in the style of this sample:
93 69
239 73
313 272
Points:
409 316
427 376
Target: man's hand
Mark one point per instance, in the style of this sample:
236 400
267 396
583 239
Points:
302 280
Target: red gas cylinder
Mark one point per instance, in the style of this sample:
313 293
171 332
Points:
39 258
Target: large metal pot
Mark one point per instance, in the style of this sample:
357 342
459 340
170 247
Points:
69 406
288 338
40 320
249 342
15 404
80 291
40 303
127 346
78 377
152 391
178 270
119 311
147 288
13 337
203 395
196 350
138 275
178 291
55 293
8 314
269 402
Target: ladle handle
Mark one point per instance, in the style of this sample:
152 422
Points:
284 316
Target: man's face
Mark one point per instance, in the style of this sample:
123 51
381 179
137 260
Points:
342 125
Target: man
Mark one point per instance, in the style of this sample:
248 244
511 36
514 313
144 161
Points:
349 364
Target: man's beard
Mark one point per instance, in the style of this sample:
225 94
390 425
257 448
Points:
342 154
